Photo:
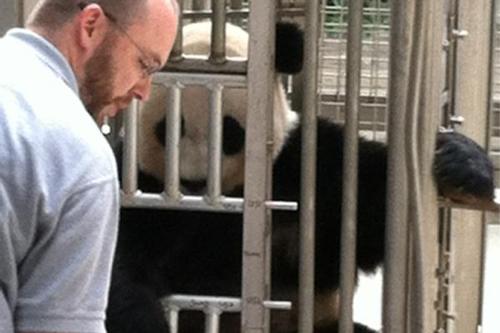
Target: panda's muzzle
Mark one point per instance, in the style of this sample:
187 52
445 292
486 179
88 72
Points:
194 186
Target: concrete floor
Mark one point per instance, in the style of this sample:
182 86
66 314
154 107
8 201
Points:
370 290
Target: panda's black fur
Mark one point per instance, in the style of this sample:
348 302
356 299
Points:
192 252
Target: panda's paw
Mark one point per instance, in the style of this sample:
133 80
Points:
462 169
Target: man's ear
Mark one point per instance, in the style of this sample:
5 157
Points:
92 26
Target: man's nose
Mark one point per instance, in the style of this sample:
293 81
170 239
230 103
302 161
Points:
142 89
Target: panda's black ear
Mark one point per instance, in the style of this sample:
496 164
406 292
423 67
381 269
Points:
289 48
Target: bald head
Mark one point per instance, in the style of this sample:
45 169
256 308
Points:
113 46
52 14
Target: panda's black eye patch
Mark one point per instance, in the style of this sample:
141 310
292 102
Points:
160 131
234 136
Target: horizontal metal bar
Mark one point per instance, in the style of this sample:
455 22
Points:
190 202
207 13
241 13
201 64
228 81
208 303
277 305
481 205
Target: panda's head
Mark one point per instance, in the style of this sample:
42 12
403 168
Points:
193 146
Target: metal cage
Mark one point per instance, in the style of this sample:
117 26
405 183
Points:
365 67
348 67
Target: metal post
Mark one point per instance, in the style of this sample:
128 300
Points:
173 131
258 157
396 252
429 32
214 144
413 160
471 102
173 318
129 172
308 173
176 53
212 317
218 43
350 167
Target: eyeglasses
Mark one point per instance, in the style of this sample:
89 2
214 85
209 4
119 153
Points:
147 67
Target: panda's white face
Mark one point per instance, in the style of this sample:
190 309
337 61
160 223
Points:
193 145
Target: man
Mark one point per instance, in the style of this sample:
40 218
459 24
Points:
76 62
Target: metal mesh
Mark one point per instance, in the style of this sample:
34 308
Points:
375 60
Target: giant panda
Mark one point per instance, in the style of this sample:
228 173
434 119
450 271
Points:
162 252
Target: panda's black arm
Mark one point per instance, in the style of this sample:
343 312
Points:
462 169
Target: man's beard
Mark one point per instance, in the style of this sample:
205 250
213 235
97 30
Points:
96 90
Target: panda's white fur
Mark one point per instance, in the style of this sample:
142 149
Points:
195 111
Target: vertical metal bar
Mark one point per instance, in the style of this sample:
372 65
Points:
20 6
308 167
218 44
173 130
258 168
173 319
350 166
236 4
491 79
214 143
176 54
413 158
129 172
396 252
427 81
212 317
202 4
9 15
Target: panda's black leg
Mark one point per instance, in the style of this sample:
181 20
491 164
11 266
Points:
133 308
462 169
333 328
